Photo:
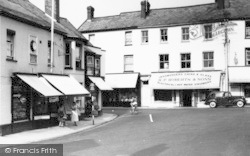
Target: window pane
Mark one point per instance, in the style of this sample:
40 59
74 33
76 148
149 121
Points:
205 56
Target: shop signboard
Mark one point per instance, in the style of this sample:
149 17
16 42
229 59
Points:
186 80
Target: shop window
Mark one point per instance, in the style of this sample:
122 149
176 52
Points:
186 61
247 29
164 61
20 101
247 56
144 38
164 35
40 106
185 33
97 67
10 44
67 55
163 95
33 49
128 63
90 65
208 32
208 59
128 38
78 56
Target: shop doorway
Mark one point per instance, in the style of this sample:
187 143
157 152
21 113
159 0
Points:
187 98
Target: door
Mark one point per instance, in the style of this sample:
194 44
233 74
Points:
187 98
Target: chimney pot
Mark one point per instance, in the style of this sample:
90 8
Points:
90 12
145 8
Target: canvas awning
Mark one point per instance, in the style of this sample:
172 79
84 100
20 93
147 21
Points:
239 74
126 80
66 84
40 85
186 80
100 83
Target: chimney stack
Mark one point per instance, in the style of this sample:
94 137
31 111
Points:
90 12
145 8
48 9
222 4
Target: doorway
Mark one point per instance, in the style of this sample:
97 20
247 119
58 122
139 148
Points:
187 98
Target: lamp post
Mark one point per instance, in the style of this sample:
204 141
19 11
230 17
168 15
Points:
92 89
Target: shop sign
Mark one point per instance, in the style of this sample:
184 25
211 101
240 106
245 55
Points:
53 99
189 80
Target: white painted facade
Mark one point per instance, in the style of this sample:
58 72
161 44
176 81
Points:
146 56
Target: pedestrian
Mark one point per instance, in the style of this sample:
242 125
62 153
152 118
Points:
133 103
74 114
61 115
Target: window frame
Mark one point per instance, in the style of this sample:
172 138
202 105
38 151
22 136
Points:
68 53
78 60
11 34
186 61
208 34
128 64
208 59
162 35
97 66
128 38
144 36
246 57
163 61
90 65
184 34
247 30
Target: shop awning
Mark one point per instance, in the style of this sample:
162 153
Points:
127 80
40 85
66 84
102 85
185 80
93 49
239 74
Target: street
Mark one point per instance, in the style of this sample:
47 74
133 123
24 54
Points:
173 132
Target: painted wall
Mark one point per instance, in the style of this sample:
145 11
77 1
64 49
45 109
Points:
22 56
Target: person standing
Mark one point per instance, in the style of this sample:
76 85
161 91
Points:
61 115
74 114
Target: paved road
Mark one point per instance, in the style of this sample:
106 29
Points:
173 132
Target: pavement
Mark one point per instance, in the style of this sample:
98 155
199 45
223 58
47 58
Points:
56 131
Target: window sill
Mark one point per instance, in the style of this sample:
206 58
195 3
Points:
185 41
163 42
11 60
129 71
185 69
50 65
68 68
208 68
207 40
34 64
163 70
79 69
144 43
128 44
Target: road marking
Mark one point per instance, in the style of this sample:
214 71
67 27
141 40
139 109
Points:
151 118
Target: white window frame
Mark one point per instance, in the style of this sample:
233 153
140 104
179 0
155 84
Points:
247 29
130 63
144 37
33 49
185 34
247 54
97 66
79 59
164 35
164 62
128 38
90 64
208 35
10 43
186 61
209 59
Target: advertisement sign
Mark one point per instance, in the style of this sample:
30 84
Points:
186 80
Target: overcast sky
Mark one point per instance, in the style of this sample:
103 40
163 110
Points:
76 10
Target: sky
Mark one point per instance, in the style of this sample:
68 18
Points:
76 10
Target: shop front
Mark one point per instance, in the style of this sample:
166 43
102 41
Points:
239 79
97 86
183 89
35 101
125 86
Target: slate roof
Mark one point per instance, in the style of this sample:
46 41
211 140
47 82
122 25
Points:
198 14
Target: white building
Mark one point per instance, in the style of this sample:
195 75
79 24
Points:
178 54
